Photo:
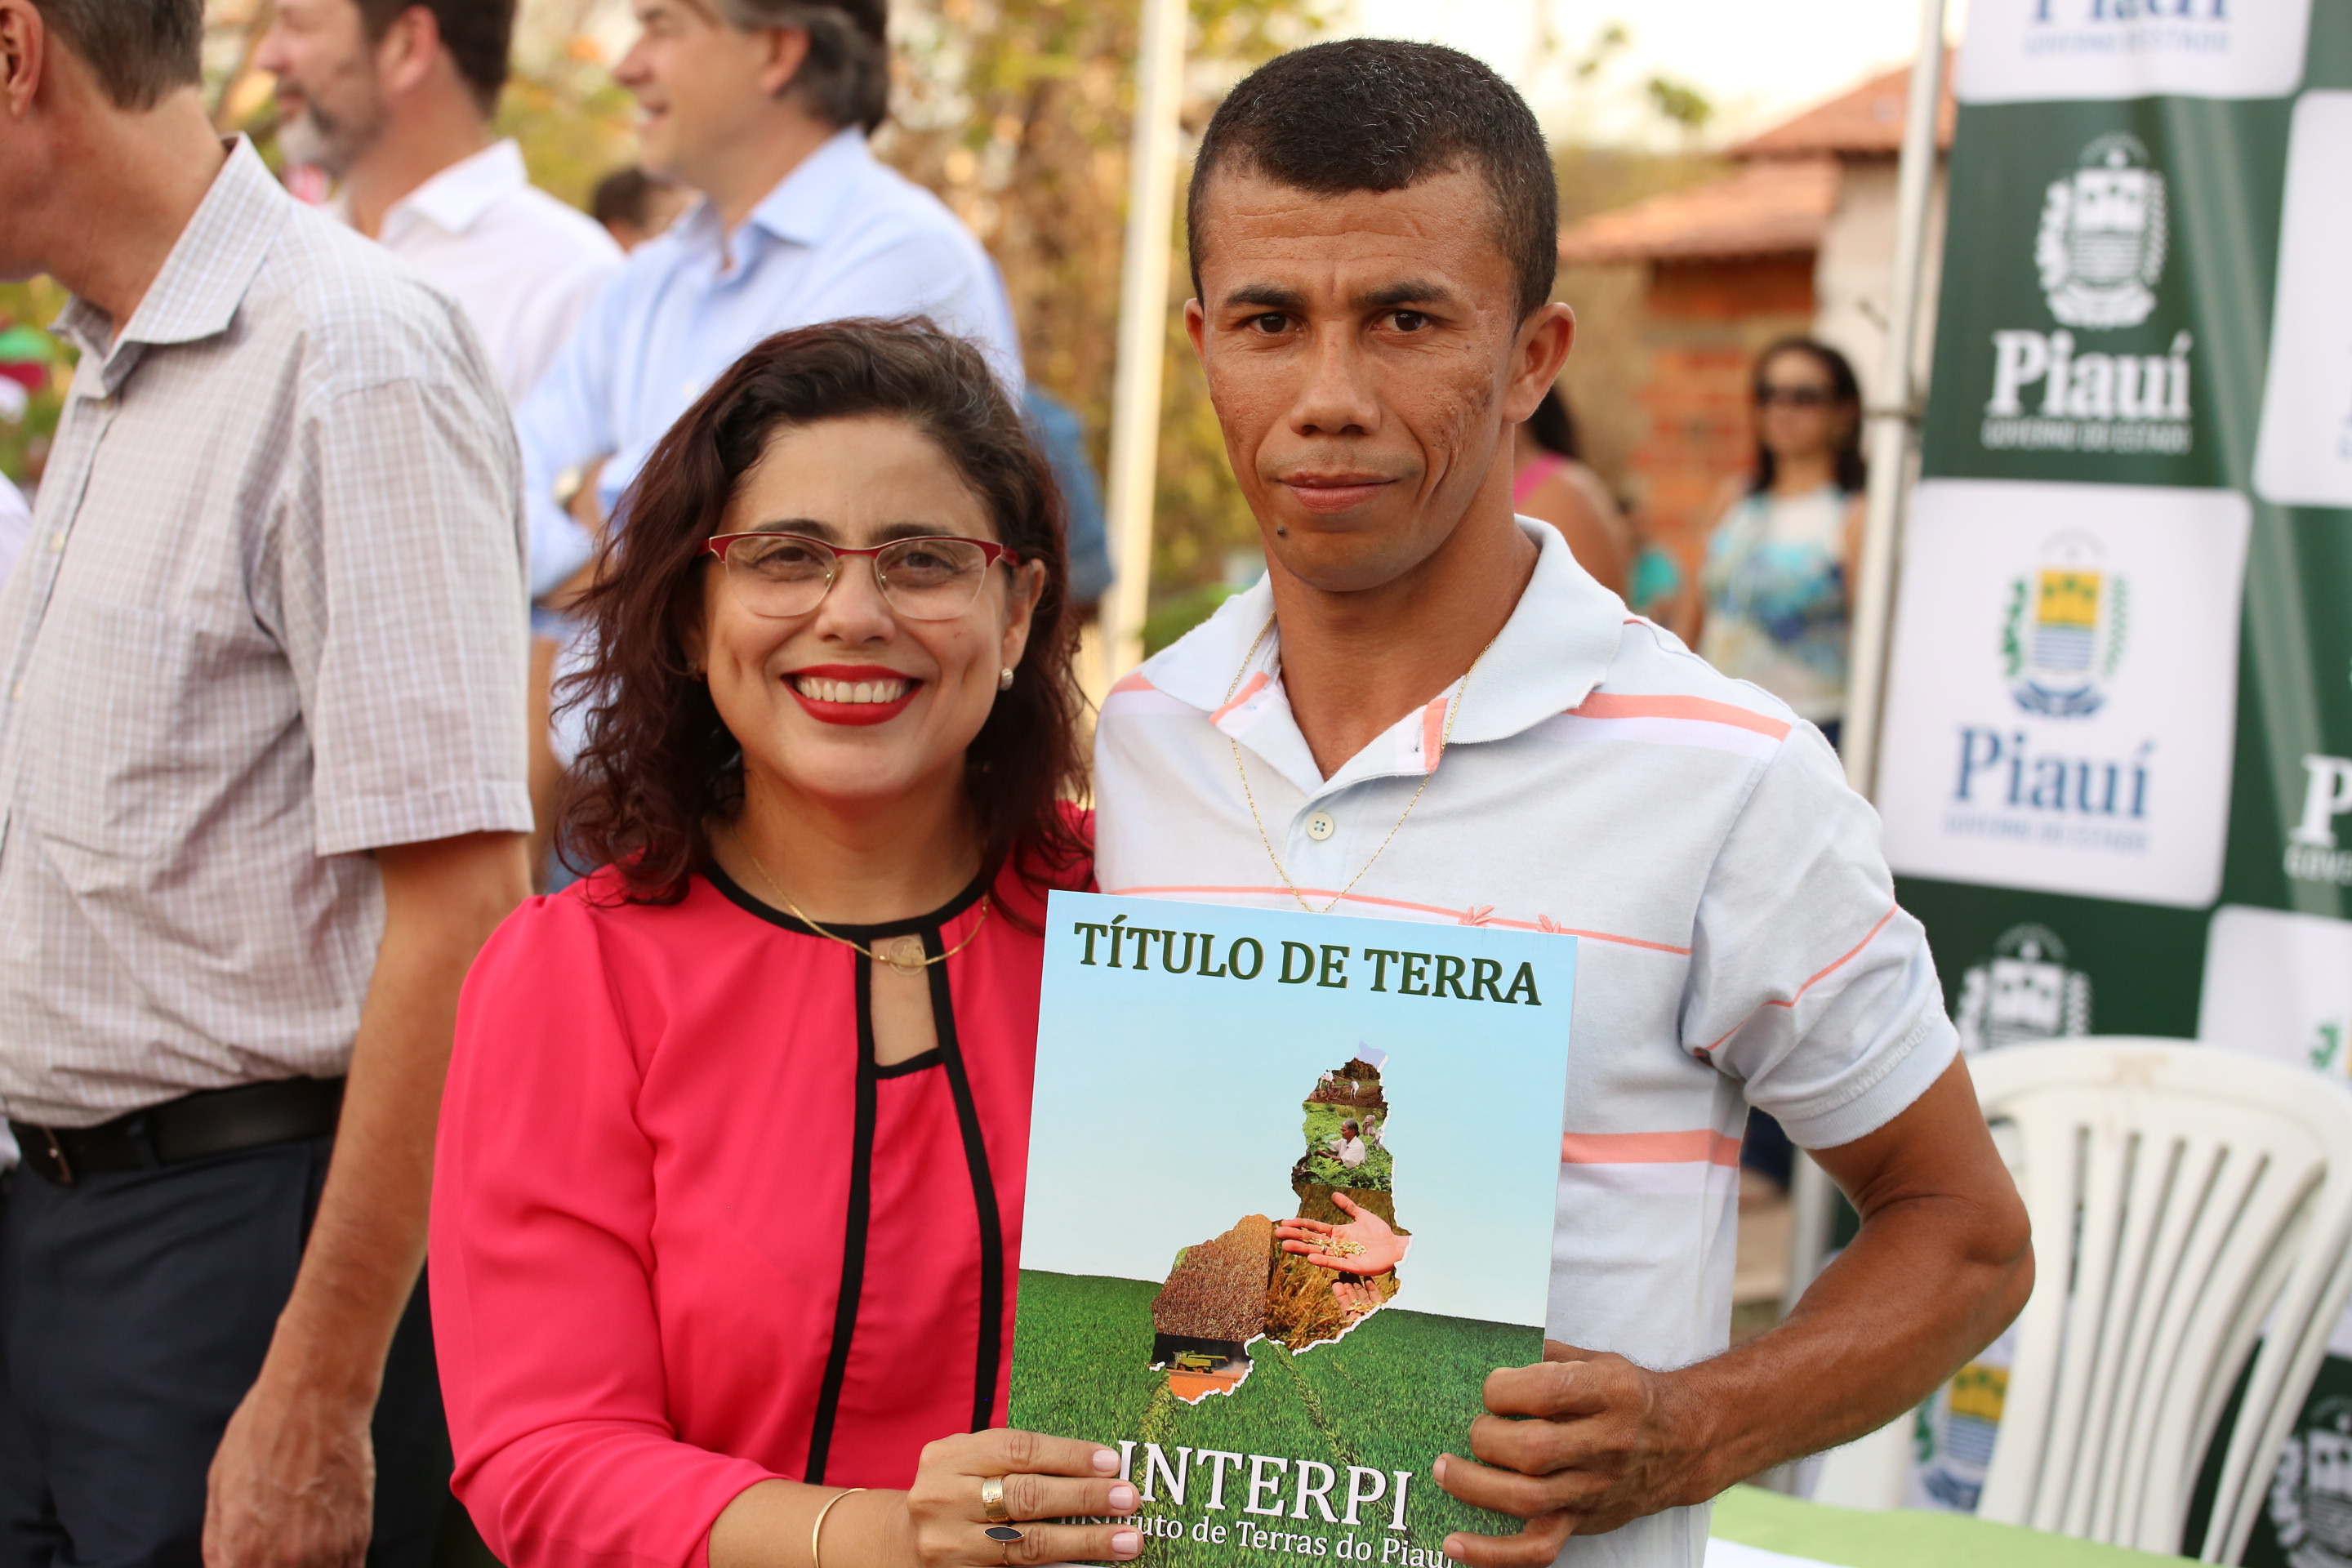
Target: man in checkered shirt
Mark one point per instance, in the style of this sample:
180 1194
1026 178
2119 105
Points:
261 796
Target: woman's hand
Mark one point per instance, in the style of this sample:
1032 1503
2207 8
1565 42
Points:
941 1521
1384 1249
1044 1478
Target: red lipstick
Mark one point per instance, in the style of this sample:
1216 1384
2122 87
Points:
832 709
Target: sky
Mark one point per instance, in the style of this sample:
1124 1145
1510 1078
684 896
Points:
1168 1105
1757 63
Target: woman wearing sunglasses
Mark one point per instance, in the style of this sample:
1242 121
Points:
728 1192
1774 583
1773 599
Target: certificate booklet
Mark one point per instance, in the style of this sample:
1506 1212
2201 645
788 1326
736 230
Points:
1290 1196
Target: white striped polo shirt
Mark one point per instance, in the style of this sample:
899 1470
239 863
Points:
1739 943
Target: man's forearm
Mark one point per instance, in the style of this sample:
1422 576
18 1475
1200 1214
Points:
368 1239
1587 1440
1928 1283
1943 1262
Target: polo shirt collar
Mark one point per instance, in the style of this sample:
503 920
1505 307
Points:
455 199
1552 651
1555 648
204 278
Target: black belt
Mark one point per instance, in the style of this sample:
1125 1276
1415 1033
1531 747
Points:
211 1121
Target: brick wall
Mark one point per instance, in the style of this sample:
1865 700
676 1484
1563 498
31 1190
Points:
1702 323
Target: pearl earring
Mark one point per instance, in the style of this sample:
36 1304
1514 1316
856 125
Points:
1004 680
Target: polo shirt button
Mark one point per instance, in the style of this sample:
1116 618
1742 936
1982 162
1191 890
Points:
56 541
1320 827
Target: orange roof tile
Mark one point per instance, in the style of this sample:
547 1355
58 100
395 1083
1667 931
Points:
1868 120
1776 204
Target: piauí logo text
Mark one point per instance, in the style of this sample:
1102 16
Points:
2099 253
2314 851
2062 642
2064 631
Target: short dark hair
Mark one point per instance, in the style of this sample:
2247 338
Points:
1554 427
625 195
137 49
1374 114
478 35
847 75
660 765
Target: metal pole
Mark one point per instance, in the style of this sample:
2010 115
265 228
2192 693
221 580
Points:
1892 427
1894 422
1142 328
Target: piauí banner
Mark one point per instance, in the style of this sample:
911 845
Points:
1291 1198
2117 774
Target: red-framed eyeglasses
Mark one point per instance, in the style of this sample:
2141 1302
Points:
931 577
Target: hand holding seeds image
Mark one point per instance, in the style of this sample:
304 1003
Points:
1365 1246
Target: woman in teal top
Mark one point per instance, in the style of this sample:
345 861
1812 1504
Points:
1774 583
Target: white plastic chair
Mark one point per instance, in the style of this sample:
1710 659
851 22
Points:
2186 1202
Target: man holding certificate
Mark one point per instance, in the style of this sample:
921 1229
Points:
1428 711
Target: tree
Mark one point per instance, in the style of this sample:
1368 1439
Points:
1685 105
1017 113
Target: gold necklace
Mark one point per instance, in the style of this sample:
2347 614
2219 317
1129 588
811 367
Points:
1445 737
905 953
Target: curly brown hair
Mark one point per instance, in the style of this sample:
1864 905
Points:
660 767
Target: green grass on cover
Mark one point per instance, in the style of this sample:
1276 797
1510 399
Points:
1393 1395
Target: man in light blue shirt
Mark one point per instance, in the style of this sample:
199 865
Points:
763 107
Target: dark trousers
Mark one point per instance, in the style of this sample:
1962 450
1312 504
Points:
135 1308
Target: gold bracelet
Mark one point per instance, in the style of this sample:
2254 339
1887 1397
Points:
817 1529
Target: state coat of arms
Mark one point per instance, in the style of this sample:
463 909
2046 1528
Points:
2023 993
2101 247
2064 635
2310 1494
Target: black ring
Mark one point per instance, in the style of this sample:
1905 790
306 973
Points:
1003 1532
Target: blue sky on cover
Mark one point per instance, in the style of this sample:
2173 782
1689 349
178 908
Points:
1168 1105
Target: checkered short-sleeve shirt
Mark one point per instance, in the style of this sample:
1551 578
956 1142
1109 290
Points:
270 615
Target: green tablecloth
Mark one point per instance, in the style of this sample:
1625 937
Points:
1903 1538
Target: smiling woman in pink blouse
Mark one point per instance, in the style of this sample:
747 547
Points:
728 1193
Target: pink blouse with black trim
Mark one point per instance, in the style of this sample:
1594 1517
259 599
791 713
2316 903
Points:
688 1236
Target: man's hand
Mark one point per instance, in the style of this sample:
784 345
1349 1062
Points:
1580 1443
293 1483
585 511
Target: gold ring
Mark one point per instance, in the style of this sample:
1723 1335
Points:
1007 1537
992 1499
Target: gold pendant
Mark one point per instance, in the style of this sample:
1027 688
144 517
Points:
904 954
